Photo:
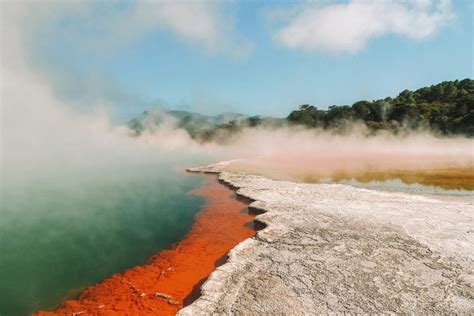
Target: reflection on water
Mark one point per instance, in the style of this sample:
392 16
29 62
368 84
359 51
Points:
396 185
445 178
453 177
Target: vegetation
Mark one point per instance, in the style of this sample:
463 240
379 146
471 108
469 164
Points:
445 108
193 123
224 132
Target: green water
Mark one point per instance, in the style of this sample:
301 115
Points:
62 232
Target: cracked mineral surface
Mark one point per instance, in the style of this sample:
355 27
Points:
333 248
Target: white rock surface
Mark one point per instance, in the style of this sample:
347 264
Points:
332 248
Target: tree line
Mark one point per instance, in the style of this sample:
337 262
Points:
445 108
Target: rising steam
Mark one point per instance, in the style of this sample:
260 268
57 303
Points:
50 151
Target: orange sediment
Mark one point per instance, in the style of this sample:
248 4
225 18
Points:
171 279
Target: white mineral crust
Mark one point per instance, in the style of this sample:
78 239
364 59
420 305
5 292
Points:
333 248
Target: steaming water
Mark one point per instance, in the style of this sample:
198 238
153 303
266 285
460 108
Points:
63 232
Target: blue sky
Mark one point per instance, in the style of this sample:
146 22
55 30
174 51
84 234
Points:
253 57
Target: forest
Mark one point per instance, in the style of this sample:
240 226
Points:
446 108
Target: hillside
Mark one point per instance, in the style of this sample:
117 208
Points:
192 122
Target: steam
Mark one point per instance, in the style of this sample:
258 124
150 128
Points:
299 154
50 151
44 136
78 193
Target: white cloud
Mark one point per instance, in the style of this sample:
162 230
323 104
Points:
347 27
207 25
101 28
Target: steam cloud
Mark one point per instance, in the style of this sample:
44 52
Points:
45 143
43 135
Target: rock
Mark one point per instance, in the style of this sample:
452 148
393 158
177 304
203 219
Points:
165 296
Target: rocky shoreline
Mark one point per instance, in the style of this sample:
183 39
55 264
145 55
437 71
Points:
332 248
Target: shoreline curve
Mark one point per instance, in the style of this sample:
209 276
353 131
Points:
172 278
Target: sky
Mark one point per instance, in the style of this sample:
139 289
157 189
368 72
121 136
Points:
252 57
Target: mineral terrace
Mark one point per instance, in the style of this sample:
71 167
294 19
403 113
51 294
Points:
332 248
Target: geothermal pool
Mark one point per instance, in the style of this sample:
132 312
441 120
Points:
443 178
172 278
62 233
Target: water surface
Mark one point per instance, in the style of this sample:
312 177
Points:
450 177
64 231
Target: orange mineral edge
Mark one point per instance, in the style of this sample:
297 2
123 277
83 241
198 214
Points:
172 278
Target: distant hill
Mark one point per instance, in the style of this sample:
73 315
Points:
223 133
190 121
